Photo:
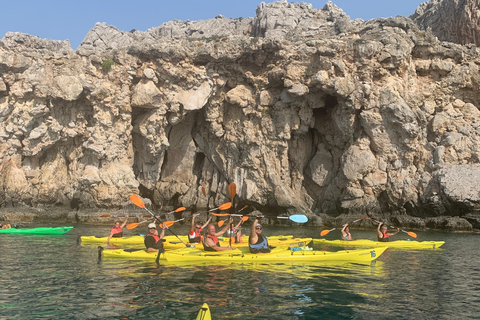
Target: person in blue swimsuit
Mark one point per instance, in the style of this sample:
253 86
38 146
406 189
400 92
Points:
257 242
346 233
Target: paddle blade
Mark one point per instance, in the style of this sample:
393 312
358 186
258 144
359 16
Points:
147 216
225 206
244 218
204 193
324 233
232 190
167 224
180 209
137 201
105 216
220 214
221 223
300 218
412 234
131 226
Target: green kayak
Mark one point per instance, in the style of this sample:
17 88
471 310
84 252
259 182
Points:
39 231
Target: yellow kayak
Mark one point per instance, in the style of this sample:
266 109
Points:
242 254
204 313
405 244
138 240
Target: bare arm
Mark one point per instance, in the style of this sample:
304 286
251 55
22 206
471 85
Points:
344 234
110 236
124 222
253 235
206 223
213 246
379 233
192 225
225 228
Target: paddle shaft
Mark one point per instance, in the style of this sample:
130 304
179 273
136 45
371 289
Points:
160 221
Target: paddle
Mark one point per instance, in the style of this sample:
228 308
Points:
222 222
169 223
410 233
299 218
232 191
325 232
225 206
133 225
139 203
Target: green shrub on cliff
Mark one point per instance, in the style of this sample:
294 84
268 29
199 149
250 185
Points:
107 65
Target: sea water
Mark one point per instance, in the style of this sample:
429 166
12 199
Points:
55 277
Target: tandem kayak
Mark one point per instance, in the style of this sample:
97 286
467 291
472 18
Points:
39 231
405 244
134 240
242 254
204 313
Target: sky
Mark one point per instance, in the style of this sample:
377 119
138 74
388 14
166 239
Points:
72 19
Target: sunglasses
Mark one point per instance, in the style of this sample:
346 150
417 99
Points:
258 228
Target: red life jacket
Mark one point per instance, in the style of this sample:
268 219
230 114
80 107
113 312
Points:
385 237
214 238
116 232
194 237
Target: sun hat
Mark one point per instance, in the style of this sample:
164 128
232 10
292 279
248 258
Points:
152 226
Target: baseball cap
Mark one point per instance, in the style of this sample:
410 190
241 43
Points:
152 226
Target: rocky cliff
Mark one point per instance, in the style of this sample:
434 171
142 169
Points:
450 20
304 109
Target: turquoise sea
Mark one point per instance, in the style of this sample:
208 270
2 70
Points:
57 278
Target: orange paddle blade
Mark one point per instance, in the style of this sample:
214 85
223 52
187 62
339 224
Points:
147 216
221 223
204 193
232 190
137 201
180 209
324 233
412 234
131 226
244 218
220 214
225 206
105 216
168 224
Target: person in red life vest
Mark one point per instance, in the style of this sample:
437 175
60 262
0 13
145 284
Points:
346 233
257 242
195 234
383 235
154 241
117 231
210 241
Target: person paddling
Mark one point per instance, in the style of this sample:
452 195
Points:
153 241
257 242
211 242
383 235
346 233
117 230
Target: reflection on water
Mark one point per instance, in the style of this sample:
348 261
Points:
55 278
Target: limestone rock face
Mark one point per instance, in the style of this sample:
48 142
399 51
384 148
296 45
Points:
450 20
304 109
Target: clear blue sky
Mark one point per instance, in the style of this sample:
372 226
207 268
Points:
72 19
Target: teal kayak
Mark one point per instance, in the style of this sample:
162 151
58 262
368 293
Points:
40 231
